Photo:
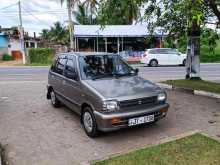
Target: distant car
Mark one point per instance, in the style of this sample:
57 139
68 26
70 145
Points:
163 56
105 91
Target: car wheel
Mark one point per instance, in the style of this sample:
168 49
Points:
89 122
153 63
54 101
184 62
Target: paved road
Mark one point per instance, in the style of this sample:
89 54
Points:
33 132
156 74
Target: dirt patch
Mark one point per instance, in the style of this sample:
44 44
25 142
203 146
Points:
11 63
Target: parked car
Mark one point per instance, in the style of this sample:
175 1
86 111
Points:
163 56
105 91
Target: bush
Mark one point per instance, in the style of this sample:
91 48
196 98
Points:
7 57
40 55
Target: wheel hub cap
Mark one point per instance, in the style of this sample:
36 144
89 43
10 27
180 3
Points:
88 122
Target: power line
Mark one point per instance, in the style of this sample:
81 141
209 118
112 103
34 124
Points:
35 17
8 6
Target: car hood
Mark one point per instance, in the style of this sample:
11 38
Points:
124 87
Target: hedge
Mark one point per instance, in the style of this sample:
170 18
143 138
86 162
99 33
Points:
40 55
7 57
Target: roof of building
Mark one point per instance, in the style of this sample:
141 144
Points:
114 31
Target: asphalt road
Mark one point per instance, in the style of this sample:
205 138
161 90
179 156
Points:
156 74
33 132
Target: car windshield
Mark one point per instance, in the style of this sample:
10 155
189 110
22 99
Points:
102 66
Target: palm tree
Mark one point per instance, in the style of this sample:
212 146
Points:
58 34
119 12
81 15
92 5
45 34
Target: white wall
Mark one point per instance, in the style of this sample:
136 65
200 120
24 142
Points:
15 45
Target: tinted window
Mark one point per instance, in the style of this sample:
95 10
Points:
71 65
60 65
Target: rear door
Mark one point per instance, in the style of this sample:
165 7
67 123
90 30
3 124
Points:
57 75
72 85
163 58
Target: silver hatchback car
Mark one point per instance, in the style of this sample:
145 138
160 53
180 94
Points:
105 91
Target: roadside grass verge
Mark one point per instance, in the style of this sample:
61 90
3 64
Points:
195 85
194 149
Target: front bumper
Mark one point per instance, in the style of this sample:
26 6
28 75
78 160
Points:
118 120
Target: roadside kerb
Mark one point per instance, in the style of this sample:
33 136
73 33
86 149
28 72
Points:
188 90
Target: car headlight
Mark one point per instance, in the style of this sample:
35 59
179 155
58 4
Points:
161 97
111 105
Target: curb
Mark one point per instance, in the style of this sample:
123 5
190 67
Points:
188 90
166 140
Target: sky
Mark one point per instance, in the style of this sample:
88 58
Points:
36 14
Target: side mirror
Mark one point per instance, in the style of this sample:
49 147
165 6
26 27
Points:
136 70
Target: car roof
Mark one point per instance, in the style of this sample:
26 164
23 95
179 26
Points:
86 53
160 48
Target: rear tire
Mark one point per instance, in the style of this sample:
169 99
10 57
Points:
89 122
153 63
54 101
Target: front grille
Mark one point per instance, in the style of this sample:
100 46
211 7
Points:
147 101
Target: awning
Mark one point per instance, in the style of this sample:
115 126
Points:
114 31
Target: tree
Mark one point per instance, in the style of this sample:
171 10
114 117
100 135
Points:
83 16
92 6
117 12
181 17
56 34
45 34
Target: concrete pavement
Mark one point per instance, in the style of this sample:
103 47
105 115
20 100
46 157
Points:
33 132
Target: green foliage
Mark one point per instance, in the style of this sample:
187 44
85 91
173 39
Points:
7 57
83 17
56 34
40 55
117 12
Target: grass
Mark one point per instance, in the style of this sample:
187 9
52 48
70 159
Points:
207 56
196 85
194 149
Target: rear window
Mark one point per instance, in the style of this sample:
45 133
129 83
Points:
163 51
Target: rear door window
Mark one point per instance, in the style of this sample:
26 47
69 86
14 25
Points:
71 65
60 65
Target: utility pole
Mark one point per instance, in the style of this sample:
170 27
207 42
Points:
21 30
71 27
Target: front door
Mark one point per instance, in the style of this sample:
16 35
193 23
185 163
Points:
72 85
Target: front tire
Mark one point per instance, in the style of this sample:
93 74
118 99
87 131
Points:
89 122
54 101
153 63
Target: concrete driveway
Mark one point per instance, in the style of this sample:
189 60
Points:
35 133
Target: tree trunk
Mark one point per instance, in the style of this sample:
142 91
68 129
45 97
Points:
193 52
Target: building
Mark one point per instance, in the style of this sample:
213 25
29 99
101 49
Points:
128 40
10 42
